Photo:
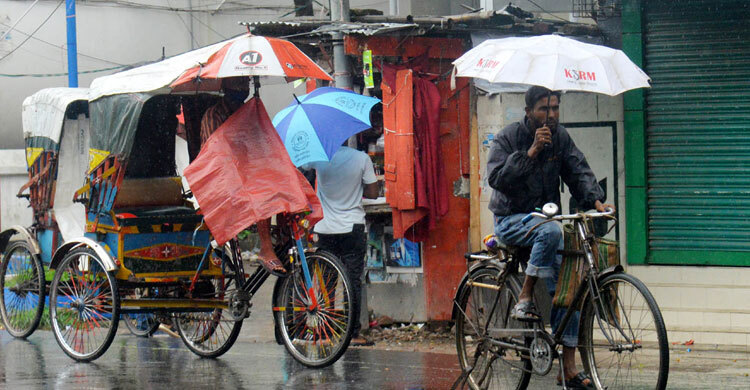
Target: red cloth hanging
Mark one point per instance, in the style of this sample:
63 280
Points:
429 184
243 174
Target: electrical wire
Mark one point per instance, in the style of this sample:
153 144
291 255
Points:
34 32
193 41
61 74
19 20
60 47
197 19
55 59
243 7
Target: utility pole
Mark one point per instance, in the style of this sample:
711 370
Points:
70 15
341 76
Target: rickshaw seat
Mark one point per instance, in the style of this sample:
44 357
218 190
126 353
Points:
154 200
149 192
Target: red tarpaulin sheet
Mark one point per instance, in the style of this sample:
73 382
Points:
243 174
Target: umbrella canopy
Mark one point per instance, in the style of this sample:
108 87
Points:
250 55
314 125
554 62
157 78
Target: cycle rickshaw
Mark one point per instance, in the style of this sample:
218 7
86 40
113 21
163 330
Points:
146 249
55 128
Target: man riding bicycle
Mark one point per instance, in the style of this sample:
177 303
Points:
524 167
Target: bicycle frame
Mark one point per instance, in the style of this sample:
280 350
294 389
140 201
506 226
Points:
250 285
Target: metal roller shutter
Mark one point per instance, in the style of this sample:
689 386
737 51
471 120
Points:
697 53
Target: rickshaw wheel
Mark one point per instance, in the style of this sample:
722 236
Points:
211 333
84 305
315 336
22 290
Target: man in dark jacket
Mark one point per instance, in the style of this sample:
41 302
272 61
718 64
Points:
524 167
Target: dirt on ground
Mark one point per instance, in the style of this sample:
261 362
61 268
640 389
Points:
411 337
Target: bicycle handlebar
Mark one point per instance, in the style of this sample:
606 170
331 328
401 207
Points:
561 217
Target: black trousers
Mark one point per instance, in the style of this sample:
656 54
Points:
350 248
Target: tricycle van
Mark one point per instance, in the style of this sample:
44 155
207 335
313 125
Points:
148 250
55 129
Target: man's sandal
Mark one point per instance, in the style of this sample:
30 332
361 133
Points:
578 382
525 311
274 267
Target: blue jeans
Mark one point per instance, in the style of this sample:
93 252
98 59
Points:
544 261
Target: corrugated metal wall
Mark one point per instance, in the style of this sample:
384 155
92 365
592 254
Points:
697 53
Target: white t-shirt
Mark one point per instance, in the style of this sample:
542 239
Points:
340 187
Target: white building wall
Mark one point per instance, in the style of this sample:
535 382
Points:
706 304
112 35
13 211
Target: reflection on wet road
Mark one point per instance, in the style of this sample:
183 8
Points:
164 363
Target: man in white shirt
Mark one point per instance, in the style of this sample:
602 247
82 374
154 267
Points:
341 184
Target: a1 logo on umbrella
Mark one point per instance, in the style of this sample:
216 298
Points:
251 58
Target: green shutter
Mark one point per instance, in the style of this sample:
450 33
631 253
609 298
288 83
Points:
697 53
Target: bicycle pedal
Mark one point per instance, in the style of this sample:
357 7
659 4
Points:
529 320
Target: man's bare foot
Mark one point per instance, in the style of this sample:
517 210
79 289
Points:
267 255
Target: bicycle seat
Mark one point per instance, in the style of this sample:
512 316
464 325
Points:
522 253
498 244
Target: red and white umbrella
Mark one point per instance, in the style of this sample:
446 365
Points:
250 55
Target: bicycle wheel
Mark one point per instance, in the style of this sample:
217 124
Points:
210 333
625 346
21 290
141 324
84 305
316 336
481 311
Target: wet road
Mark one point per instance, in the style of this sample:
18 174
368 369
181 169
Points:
163 362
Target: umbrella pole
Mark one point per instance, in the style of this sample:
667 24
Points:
546 118
256 84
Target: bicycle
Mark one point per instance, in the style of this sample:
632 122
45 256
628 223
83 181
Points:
621 334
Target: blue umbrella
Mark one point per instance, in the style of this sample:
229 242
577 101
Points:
315 125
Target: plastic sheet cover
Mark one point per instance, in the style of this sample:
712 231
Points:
243 175
43 115
114 121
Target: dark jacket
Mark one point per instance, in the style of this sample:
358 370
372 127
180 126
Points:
522 184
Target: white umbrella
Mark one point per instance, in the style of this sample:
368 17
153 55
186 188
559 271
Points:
554 62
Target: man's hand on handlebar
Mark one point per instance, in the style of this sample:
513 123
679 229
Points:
603 207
